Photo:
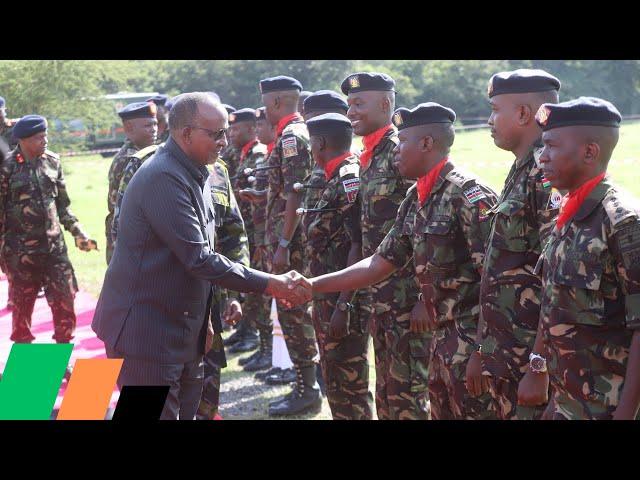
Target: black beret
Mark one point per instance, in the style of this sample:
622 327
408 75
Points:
229 108
329 124
138 110
159 99
581 111
366 81
29 125
2 102
523 80
423 114
325 100
279 84
261 113
242 115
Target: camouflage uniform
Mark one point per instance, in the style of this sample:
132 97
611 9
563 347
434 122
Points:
293 157
445 237
116 170
230 155
33 205
510 293
135 162
255 307
591 304
329 237
401 357
231 241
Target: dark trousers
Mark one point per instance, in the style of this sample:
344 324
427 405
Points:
184 379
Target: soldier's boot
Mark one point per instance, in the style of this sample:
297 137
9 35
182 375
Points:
283 377
272 371
305 397
248 342
244 360
263 360
323 389
234 338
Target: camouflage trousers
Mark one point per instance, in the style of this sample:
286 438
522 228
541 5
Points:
210 399
296 323
448 394
257 308
345 366
27 274
504 394
109 242
3 268
402 364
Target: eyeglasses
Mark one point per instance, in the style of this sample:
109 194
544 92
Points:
213 135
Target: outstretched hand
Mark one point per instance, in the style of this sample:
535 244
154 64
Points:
292 289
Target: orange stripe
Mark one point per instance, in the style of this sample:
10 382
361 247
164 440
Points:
90 388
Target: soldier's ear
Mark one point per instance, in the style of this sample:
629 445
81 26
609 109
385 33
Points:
426 144
592 153
525 114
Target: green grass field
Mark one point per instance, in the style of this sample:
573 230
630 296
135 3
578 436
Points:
473 150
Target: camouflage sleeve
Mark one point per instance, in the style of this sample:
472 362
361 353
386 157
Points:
4 190
233 242
131 168
66 216
349 189
475 225
626 250
352 222
396 247
296 161
546 205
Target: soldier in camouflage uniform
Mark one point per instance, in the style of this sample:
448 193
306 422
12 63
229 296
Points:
230 154
590 308
6 126
520 224
162 115
441 225
141 127
231 241
242 136
33 206
333 242
401 380
291 160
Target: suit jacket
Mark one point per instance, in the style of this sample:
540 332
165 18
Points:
153 304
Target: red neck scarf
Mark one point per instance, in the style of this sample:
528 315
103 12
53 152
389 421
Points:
572 202
270 147
426 183
246 148
370 142
286 121
331 165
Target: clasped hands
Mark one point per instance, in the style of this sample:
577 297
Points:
291 289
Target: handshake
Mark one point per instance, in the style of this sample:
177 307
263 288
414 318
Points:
291 289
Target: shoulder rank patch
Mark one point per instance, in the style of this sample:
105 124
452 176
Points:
141 154
555 199
618 210
474 194
353 168
351 187
458 178
629 244
289 147
52 154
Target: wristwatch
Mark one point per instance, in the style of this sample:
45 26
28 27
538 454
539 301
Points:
284 243
537 363
343 306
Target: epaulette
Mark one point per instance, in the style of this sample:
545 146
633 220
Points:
295 129
49 153
458 178
141 154
351 168
618 207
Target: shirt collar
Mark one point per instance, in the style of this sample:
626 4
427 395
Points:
198 172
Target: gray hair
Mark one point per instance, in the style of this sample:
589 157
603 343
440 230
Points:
185 109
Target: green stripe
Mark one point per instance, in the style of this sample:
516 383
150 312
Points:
31 380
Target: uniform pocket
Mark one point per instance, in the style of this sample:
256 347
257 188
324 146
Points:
510 230
419 361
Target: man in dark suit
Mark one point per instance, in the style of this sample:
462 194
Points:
152 310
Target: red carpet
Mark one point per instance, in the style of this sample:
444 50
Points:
86 344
